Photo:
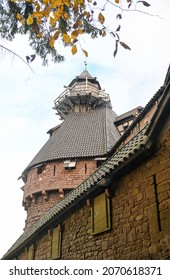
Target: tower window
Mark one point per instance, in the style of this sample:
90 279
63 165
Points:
69 164
41 169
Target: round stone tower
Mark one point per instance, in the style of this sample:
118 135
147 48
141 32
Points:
74 149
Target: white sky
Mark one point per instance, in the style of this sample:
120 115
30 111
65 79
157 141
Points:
26 99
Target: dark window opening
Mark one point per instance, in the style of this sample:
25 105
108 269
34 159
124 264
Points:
85 168
41 169
54 170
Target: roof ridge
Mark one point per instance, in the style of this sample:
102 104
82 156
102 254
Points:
143 111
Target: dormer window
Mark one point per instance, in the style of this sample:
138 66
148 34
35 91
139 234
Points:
70 164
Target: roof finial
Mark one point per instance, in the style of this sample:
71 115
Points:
85 63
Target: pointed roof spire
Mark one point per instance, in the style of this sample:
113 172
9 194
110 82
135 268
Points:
85 74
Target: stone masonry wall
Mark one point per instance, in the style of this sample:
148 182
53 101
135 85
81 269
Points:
140 216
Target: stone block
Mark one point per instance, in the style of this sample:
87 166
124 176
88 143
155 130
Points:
153 227
165 221
153 249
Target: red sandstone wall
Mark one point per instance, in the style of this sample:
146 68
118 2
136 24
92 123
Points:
42 191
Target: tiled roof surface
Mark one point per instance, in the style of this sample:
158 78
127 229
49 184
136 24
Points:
128 114
85 134
128 152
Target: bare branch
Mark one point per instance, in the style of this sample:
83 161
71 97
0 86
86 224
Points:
15 54
132 10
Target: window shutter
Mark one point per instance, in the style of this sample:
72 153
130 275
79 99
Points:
101 220
56 243
31 252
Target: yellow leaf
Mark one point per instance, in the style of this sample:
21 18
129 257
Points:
57 15
74 34
80 2
101 18
66 38
80 31
56 35
66 16
86 53
29 20
66 2
117 1
74 49
45 2
104 33
52 21
51 42
19 17
39 35
38 21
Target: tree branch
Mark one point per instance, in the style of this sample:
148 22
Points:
15 54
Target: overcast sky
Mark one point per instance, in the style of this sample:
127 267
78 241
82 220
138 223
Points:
26 113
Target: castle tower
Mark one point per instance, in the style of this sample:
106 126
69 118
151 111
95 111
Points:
75 148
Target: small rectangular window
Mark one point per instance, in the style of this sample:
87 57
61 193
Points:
41 169
69 164
56 243
100 214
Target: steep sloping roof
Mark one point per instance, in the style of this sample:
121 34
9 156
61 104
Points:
136 147
85 75
128 115
86 134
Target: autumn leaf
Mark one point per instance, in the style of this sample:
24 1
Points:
74 34
56 35
124 45
117 1
74 49
119 16
52 21
30 20
19 17
77 24
66 38
86 53
104 33
101 18
39 35
51 42
146 4
118 29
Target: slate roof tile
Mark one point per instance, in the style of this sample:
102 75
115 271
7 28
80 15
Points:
86 134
